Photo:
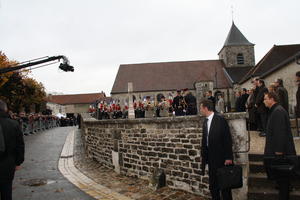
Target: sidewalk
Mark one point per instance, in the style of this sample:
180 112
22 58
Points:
103 183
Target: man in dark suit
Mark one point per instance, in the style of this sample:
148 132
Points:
13 155
216 150
244 98
209 96
297 108
261 108
279 138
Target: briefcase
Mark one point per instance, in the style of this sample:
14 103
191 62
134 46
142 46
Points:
230 177
279 166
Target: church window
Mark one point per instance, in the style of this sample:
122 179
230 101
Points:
240 59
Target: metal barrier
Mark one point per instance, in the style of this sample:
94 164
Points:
37 125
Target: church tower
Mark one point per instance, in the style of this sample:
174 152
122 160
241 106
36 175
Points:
237 50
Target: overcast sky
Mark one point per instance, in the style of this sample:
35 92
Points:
99 35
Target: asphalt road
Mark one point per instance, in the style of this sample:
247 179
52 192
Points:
39 178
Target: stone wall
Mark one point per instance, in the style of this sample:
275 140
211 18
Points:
137 147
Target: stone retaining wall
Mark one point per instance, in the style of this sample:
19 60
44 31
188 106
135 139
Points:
136 147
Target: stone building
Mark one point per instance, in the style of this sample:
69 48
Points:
282 61
155 79
72 103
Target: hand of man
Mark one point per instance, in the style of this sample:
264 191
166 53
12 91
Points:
228 162
18 167
278 153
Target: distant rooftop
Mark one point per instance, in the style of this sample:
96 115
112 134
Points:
277 57
76 98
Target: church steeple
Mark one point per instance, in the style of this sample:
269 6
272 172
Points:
235 37
237 50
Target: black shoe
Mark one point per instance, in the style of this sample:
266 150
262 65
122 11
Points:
262 134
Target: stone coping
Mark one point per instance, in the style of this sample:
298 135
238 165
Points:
89 120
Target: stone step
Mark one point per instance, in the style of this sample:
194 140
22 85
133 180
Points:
256 157
256 167
269 194
259 180
256 160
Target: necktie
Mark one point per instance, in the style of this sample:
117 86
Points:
206 130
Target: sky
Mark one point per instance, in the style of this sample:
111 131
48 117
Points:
99 35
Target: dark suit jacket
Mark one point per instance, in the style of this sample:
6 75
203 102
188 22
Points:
14 152
297 109
219 146
279 136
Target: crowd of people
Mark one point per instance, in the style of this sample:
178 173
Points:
254 103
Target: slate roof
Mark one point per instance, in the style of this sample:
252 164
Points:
75 98
237 73
167 76
273 60
236 38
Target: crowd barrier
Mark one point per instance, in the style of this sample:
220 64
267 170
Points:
38 125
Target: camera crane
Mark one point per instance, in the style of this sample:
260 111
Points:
63 66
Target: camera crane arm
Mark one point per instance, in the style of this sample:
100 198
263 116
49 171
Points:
63 66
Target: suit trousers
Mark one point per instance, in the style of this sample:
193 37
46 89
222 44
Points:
6 190
215 191
283 186
263 117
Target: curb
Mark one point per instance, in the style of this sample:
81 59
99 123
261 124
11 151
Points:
76 177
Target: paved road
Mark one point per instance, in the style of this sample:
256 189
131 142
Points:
41 162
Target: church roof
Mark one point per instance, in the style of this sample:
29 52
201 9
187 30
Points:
277 57
237 73
235 37
168 76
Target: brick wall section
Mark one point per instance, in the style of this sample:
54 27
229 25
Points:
171 144
98 143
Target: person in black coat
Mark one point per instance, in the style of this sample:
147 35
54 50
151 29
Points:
191 103
261 109
238 102
178 104
13 156
279 138
282 94
216 149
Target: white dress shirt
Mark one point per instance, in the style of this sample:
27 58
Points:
209 120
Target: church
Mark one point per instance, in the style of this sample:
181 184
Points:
232 71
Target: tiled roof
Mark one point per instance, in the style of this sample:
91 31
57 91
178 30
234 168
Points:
75 98
277 55
169 75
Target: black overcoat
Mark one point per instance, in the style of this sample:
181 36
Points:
283 97
219 146
259 100
279 136
14 152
